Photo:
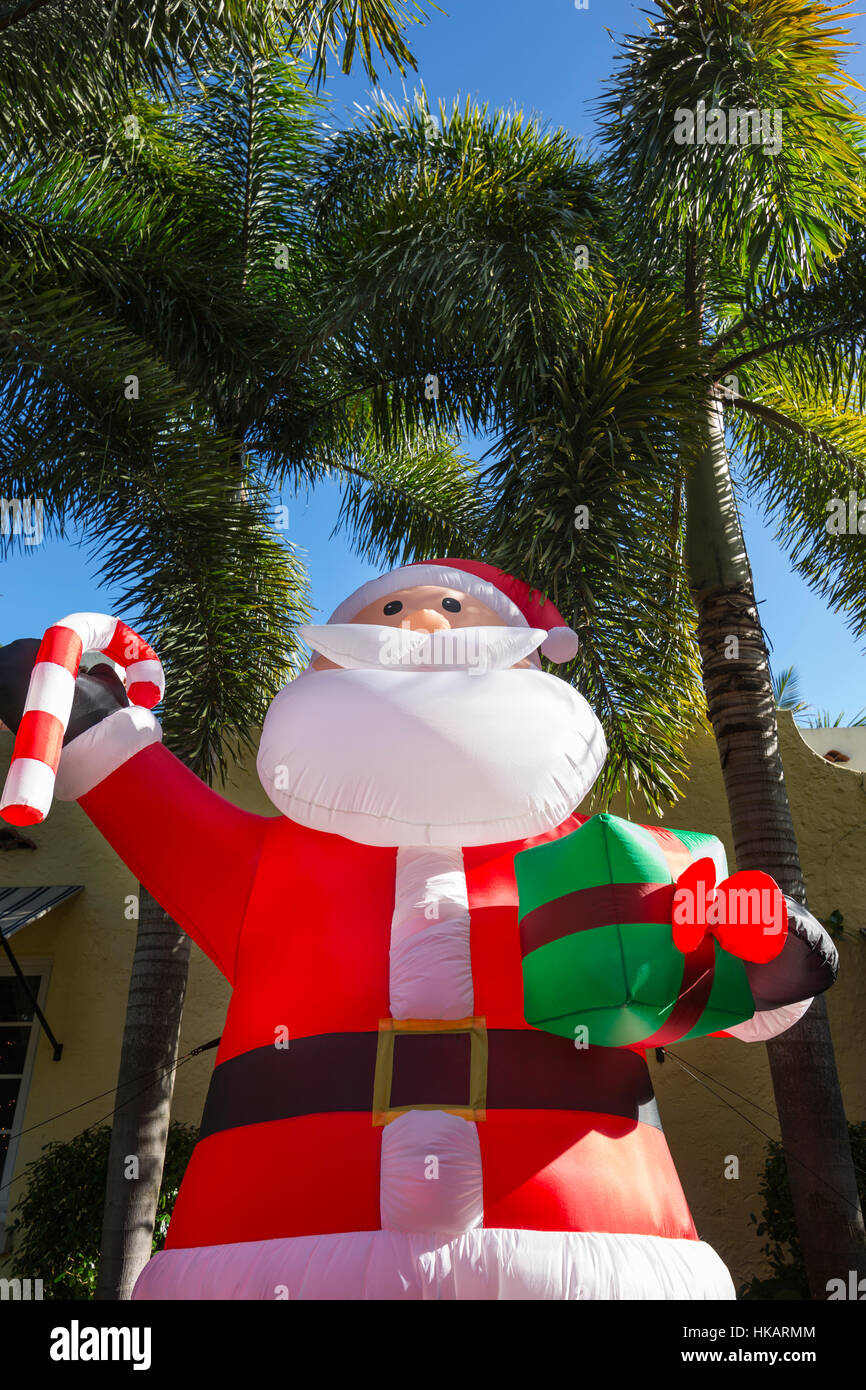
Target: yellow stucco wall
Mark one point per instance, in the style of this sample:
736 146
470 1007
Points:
91 944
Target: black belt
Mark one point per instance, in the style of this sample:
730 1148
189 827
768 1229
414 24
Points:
402 1067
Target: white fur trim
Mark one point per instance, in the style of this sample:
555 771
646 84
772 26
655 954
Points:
560 644
480 1264
431 1173
769 1023
103 748
430 959
431 972
431 1162
430 885
444 576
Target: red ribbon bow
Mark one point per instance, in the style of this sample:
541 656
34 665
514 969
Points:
746 913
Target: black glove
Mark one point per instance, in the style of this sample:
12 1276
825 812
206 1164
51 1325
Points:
806 966
98 692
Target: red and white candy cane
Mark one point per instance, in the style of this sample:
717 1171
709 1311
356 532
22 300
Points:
30 783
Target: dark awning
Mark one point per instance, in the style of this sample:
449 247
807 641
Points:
18 906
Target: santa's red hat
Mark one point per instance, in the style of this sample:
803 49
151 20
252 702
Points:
510 598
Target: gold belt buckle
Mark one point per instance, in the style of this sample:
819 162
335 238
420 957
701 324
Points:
389 1028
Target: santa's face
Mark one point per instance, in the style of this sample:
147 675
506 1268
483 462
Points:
426 612
427 720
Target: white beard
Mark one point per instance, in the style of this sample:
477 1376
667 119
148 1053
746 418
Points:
434 758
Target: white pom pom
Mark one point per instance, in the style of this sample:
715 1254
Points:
560 644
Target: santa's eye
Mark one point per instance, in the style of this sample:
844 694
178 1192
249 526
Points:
451 605
393 607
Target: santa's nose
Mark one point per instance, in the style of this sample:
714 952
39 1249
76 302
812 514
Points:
426 620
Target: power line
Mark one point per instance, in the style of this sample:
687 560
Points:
203 1047
764 1111
847 1200
155 1074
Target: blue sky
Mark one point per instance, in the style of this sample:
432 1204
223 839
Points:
549 59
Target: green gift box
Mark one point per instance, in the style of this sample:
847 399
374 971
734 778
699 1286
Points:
598 951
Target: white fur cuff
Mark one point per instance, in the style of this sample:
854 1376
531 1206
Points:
769 1023
103 748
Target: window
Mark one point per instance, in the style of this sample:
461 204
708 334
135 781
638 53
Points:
19 1038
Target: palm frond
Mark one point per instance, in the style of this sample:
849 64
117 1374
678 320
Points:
62 67
815 334
780 211
402 505
454 248
824 720
373 26
786 689
589 478
217 593
805 456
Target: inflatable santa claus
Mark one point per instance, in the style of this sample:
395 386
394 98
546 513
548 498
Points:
382 1122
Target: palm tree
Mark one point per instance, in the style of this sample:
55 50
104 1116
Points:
766 243
615 363
145 319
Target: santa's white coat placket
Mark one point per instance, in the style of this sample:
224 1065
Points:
431 1160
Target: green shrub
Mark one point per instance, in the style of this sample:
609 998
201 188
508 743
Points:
782 1249
59 1219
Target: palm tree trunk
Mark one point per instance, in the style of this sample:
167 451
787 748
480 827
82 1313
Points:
742 710
136 1155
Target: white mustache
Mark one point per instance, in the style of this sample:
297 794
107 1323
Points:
367 646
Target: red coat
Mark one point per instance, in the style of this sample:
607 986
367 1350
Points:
299 922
